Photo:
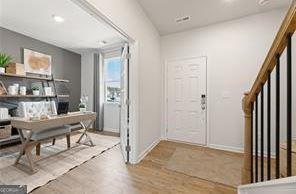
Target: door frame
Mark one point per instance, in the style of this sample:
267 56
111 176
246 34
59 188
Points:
165 108
133 74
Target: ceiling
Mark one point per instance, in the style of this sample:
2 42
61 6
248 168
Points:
34 18
163 13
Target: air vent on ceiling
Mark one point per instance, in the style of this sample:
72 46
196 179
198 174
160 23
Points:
182 19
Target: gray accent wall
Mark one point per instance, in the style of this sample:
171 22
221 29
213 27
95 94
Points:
65 64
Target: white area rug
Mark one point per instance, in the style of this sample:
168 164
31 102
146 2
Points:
50 168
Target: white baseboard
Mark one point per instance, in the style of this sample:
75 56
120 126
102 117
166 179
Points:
111 130
147 150
237 150
226 148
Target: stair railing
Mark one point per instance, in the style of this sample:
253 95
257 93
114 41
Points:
257 163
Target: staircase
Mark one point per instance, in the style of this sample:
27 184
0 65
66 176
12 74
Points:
263 108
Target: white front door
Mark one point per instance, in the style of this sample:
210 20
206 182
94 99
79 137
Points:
186 105
124 104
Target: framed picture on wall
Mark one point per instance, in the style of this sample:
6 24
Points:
37 63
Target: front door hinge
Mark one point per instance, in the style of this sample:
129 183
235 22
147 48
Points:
128 102
128 56
128 148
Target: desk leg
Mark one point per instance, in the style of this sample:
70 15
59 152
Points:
87 137
26 149
24 144
38 149
68 141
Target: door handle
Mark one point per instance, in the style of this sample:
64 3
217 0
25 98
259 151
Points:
203 102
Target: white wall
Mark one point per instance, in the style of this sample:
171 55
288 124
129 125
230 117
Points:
235 51
129 16
87 77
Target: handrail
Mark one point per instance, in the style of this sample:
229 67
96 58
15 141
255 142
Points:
278 46
287 28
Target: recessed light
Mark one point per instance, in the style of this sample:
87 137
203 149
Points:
58 19
263 2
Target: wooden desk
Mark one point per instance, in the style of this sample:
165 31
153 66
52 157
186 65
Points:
34 126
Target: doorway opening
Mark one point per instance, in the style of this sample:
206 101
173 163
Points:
128 48
112 93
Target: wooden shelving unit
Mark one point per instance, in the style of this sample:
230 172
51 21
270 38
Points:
46 79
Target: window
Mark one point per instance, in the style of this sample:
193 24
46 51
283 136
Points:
112 79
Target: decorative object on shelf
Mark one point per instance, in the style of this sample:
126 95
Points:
35 110
3 90
48 91
15 68
23 90
17 86
13 90
82 107
4 60
5 132
37 63
4 114
83 103
36 90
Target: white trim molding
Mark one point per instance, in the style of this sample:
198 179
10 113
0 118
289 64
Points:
147 150
226 148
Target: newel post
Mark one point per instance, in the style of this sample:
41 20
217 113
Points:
246 171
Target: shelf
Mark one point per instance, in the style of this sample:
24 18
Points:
26 76
61 80
12 139
33 77
63 96
5 122
26 96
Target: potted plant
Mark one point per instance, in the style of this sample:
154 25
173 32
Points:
82 107
4 60
35 90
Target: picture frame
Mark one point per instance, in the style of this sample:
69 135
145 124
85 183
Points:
36 62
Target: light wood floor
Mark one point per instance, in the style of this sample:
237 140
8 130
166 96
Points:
109 174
